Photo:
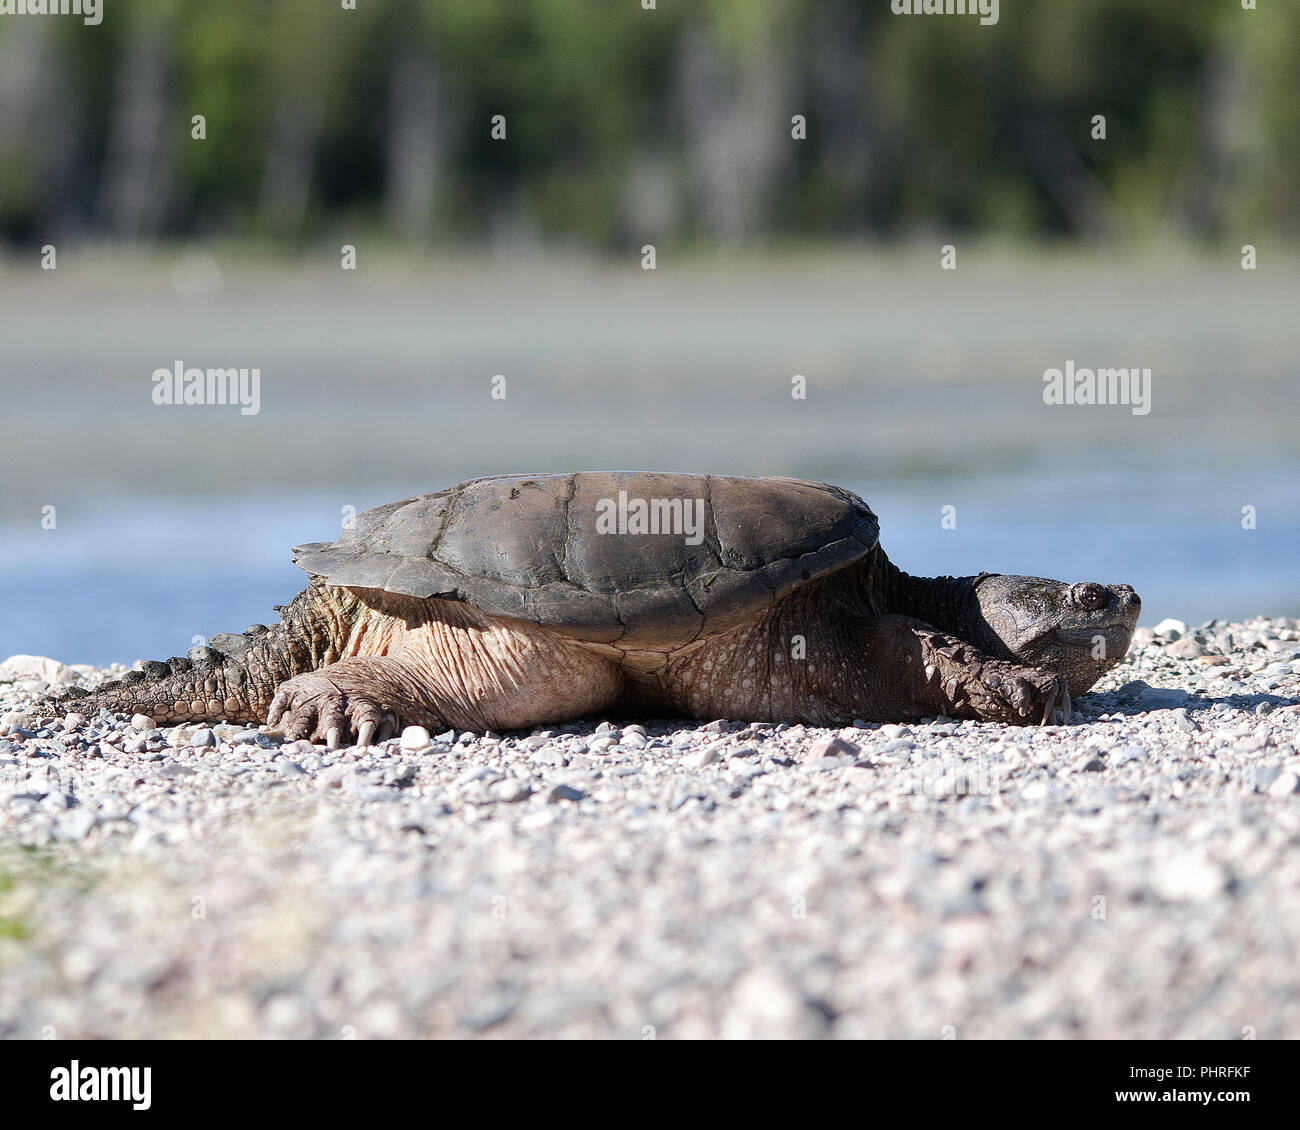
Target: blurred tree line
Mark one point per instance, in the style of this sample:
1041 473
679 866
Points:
628 126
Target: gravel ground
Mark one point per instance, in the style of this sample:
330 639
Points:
1135 874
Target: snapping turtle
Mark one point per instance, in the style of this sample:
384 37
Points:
515 600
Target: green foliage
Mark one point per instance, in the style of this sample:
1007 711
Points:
912 121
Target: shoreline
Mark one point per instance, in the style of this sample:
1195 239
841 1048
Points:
1129 875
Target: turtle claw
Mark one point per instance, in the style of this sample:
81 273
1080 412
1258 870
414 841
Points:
1050 707
277 709
330 707
1049 710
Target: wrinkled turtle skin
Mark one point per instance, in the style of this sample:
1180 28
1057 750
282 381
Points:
511 601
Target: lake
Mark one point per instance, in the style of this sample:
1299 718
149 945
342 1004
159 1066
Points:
924 393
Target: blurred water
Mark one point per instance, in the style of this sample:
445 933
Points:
177 522
146 582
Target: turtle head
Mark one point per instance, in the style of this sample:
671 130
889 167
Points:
1080 630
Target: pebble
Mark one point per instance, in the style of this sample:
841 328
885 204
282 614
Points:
816 897
1122 754
709 755
1189 647
1188 877
833 747
9 720
477 773
512 790
1264 775
36 667
1286 784
142 723
78 825
1162 698
415 738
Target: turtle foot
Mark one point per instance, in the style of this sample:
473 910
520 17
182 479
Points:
324 706
1024 696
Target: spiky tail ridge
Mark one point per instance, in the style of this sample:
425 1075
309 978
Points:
233 678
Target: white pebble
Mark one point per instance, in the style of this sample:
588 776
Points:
1285 784
513 790
834 746
1187 878
35 667
706 756
415 738
9 721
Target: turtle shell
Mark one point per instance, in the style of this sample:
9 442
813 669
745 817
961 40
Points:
637 558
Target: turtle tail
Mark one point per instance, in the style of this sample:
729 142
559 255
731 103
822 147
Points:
233 678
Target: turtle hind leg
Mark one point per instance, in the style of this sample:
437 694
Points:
459 668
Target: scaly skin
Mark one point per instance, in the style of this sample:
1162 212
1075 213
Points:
237 679
878 645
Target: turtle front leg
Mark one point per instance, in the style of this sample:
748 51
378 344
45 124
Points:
372 698
948 676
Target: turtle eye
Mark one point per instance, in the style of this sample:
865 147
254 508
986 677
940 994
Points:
1090 595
